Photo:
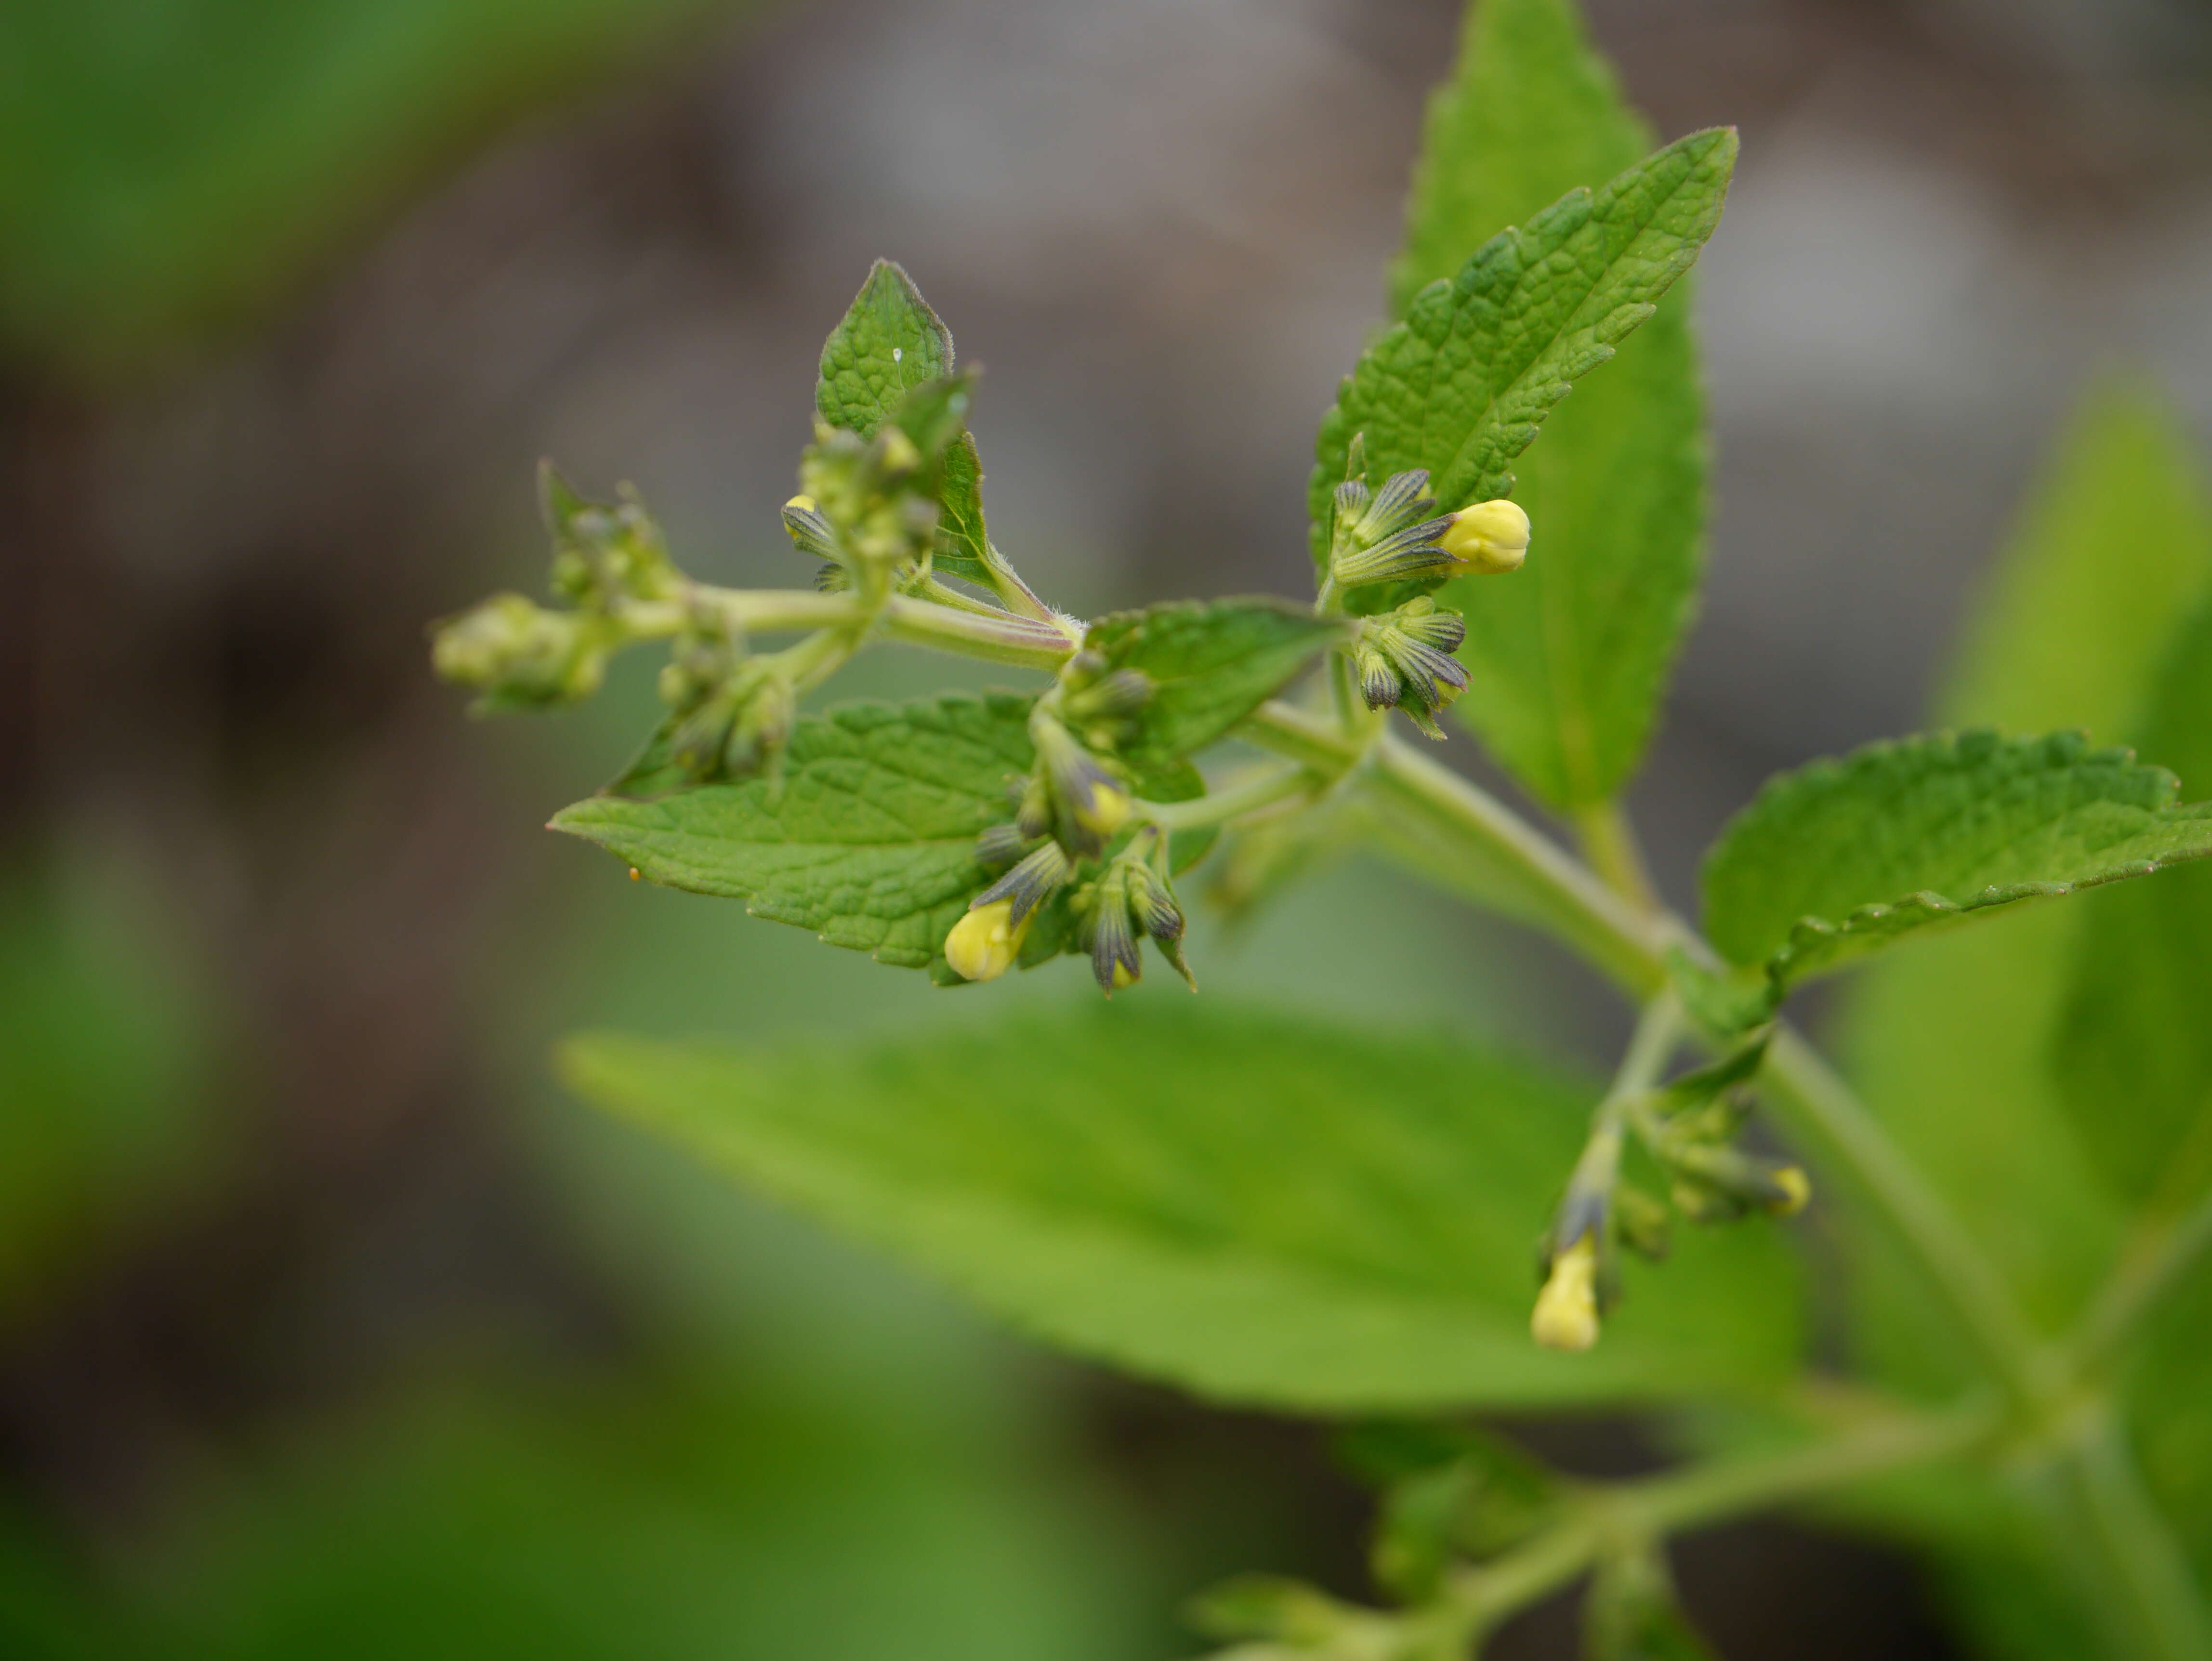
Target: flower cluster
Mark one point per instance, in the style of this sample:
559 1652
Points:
1395 535
1404 659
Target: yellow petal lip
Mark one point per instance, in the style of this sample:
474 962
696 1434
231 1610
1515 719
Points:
1106 811
801 503
1490 536
1796 1190
984 944
1566 1316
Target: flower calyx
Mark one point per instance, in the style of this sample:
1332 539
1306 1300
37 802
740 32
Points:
1131 899
1404 659
1692 1128
1071 794
1388 535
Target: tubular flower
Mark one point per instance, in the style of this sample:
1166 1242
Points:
984 944
1489 538
1566 1316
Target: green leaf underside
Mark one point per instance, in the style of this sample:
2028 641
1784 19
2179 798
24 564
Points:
1211 663
1252 1207
1460 386
963 547
889 342
1567 659
872 843
1842 857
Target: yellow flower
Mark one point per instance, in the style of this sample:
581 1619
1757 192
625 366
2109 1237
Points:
984 944
1566 1309
1489 538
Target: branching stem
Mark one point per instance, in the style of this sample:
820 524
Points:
1651 1508
1221 807
1466 839
2149 1273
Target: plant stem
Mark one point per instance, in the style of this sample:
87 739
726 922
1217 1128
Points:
2163 1611
995 637
1597 1170
1006 583
1292 733
1217 806
1030 645
1658 1031
1809 1092
1608 1517
1609 843
2148 1274
1516 866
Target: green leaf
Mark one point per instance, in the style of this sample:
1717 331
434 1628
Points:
1568 658
1842 857
964 547
871 842
2134 1052
1951 1044
1258 1208
889 343
1211 663
2115 547
1462 385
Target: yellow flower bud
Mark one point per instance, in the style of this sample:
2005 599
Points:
1566 1309
1489 538
1796 1190
802 503
1102 815
984 944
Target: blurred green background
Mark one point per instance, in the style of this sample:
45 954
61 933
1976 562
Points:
328 1327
